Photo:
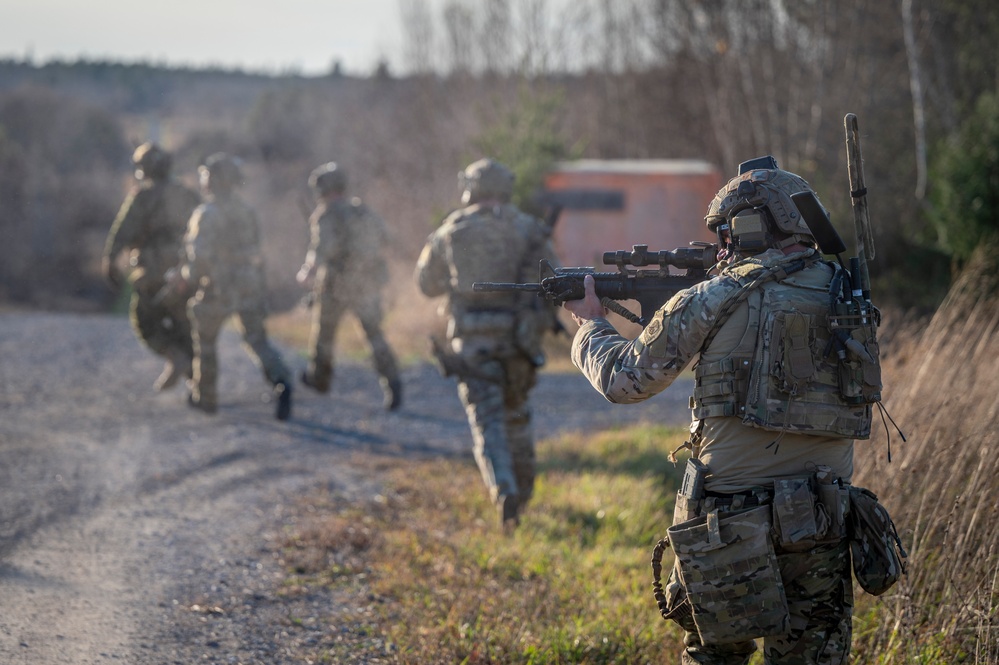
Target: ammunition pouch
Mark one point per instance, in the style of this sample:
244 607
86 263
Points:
482 323
879 560
728 568
809 512
527 335
726 575
856 343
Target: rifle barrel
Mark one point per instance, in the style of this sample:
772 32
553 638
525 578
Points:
504 286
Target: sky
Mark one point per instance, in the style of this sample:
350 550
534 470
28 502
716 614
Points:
304 36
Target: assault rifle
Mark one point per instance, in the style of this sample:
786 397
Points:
651 287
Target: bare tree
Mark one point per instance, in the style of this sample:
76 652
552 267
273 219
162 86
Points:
916 87
418 36
495 40
459 30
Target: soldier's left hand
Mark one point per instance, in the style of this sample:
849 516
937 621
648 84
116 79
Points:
589 307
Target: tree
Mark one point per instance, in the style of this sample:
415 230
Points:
966 182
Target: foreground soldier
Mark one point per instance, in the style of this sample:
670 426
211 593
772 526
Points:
225 268
494 338
771 426
151 224
347 239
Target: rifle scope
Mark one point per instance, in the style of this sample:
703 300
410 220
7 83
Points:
699 256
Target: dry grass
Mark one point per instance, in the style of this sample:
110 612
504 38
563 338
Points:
573 585
943 484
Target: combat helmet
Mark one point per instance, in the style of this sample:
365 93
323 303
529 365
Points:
220 173
151 161
756 209
486 179
328 178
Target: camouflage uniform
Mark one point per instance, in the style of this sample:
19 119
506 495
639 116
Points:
224 264
151 223
744 461
494 338
348 239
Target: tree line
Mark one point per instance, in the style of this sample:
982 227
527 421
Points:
532 82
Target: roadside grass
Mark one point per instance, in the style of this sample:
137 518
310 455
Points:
573 584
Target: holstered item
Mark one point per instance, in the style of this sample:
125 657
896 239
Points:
728 567
794 514
688 498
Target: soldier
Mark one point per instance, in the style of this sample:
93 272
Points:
771 425
494 338
151 225
348 238
225 269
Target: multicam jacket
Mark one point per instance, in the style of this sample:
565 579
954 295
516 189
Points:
741 451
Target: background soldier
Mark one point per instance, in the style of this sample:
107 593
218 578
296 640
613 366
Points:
225 267
347 240
770 425
494 338
151 224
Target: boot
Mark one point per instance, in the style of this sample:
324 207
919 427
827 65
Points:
317 379
208 407
283 392
168 378
507 506
392 389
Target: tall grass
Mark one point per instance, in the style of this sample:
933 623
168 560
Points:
942 487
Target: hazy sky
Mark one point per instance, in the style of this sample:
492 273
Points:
303 35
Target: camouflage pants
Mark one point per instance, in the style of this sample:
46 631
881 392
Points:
819 590
327 312
163 327
208 314
495 401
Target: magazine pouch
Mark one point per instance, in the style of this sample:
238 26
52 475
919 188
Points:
729 569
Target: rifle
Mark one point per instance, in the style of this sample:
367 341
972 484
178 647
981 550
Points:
651 288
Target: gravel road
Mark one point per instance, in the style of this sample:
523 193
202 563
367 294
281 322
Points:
136 530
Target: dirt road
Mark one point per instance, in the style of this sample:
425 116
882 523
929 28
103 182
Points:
128 520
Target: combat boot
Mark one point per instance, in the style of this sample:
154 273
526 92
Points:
508 507
283 392
317 378
211 408
168 378
392 388
178 364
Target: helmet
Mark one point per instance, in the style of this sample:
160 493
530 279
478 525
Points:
151 161
486 179
755 207
221 173
328 178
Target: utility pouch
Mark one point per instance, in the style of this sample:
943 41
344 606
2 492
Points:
688 498
794 514
855 337
728 567
879 560
833 506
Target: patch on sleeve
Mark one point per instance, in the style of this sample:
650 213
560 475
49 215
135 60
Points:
652 331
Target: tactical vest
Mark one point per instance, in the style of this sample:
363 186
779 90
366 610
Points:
790 376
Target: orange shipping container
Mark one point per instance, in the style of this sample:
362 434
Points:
609 205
